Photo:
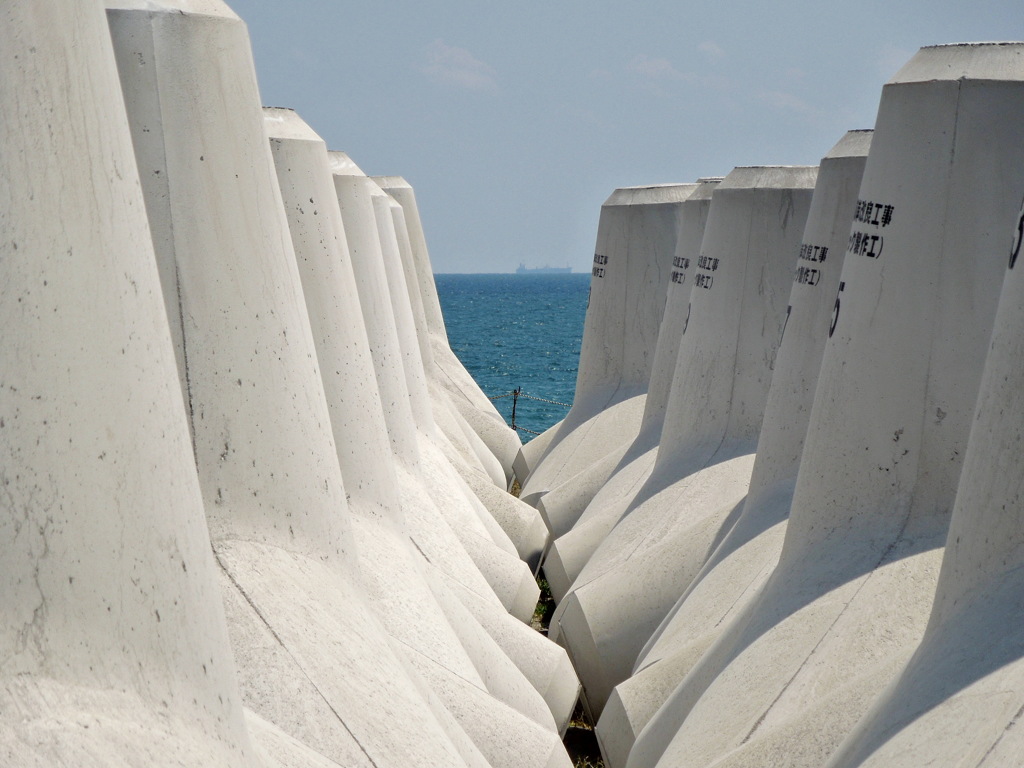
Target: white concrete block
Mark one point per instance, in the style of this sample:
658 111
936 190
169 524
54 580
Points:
114 641
446 368
850 596
545 664
957 701
602 510
713 417
267 461
636 242
750 550
530 453
424 469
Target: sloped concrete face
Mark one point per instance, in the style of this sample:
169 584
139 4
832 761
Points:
636 241
114 641
528 456
268 465
435 417
850 597
572 550
424 473
445 368
390 573
242 376
723 370
332 301
960 695
750 550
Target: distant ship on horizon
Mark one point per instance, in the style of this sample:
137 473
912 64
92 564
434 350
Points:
545 270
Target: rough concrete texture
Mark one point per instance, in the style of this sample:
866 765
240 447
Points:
655 226
528 456
474 411
267 461
571 551
713 417
521 522
424 473
750 550
114 642
446 369
960 697
408 606
850 597
545 664
636 241
958 700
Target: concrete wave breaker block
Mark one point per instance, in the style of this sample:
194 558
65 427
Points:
713 417
423 470
446 369
750 550
268 466
647 235
528 456
636 241
959 698
850 597
437 419
570 552
114 640
398 588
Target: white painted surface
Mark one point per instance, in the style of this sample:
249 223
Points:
572 550
713 417
747 554
114 642
851 594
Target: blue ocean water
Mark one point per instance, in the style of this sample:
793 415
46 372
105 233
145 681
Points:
518 331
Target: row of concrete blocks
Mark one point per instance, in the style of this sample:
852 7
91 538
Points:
252 509
785 508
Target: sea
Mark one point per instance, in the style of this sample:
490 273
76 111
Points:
518 332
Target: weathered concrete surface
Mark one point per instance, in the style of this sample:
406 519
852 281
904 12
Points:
267 462
528 456
497 729
114 642
446 369
424 473
571 551
750 550
403 593
636 241
713 417
851 594
958 700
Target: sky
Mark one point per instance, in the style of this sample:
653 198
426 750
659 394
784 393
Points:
514 121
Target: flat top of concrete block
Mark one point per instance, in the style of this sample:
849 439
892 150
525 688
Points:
284 123
964 61
197 7
770 177
391 182
705 188
343 165
854 143
650 194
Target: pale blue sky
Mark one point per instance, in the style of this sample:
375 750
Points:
515 120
